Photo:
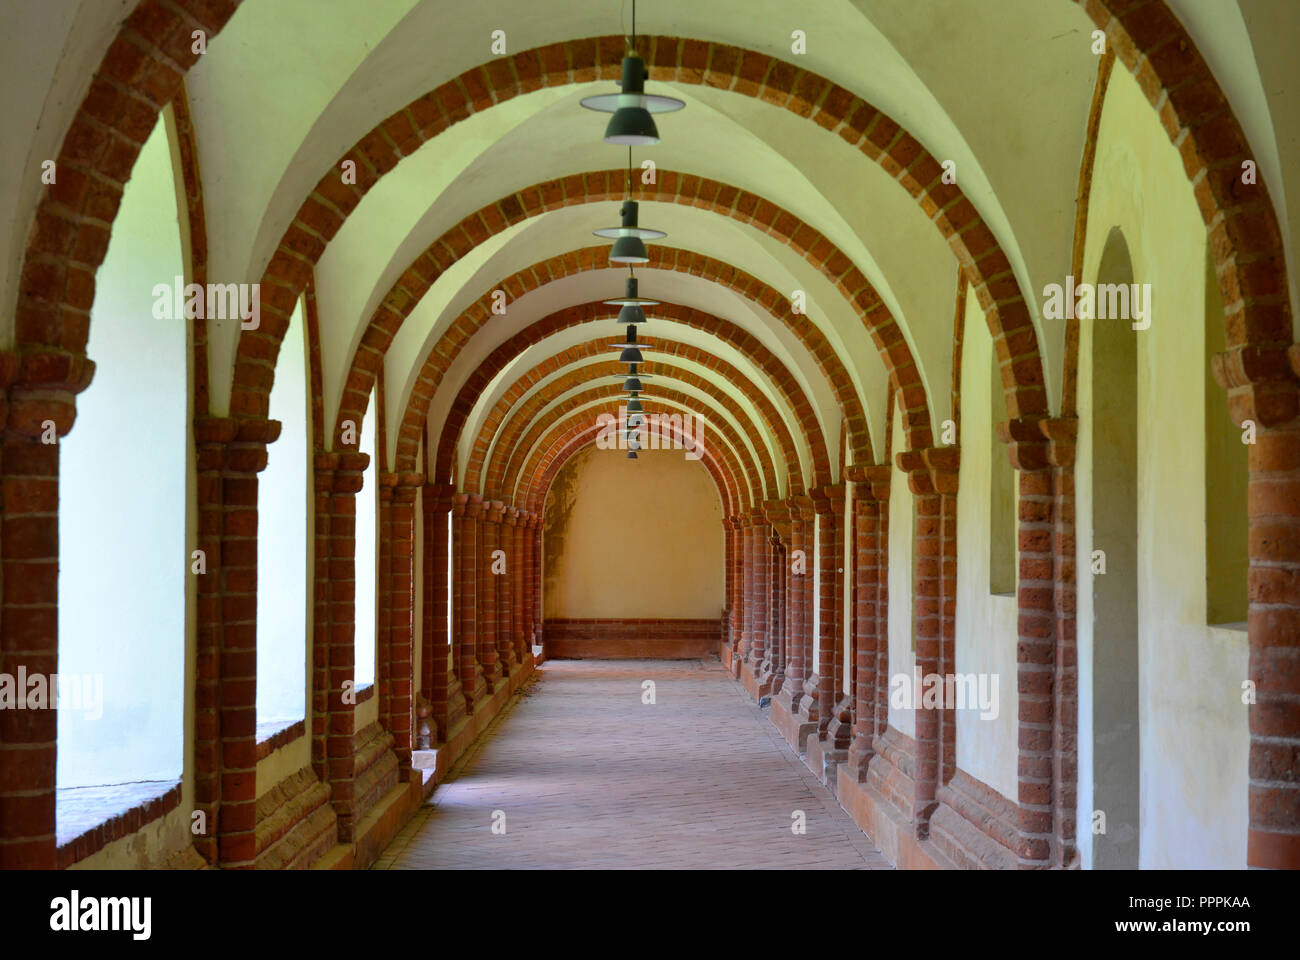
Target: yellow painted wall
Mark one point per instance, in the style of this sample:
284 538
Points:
1194 734
632 539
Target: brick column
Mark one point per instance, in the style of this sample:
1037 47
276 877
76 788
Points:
487 530
1042 450
747 596
798 609
777 513
735 587
539 614
438 660
518 573
237 661
465 582
758 572
499 598
527 531
396 667
932 477
41 392
338 480
828 501
870 621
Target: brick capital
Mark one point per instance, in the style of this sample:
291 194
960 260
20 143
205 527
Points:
931 470
1039 443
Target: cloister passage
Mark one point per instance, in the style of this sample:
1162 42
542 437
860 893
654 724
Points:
389 390
696 779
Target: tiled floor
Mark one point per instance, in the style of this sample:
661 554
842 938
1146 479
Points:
587 775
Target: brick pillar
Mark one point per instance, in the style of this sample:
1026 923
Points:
870 623
1042 450
515 583
780 623
504 534
735 568
438 660
778 516
465 511
29 628
1274 631
237 660
539 614
396 667
932 478
798 610
828 501
757 567
527 525
748 599
488 530
338 481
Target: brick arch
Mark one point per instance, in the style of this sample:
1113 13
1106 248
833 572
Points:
496 426
568 438
1245 238
670 187
670 59
143 67
141 73
1258 369
759 473
593 258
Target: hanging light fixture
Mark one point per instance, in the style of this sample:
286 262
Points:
629 239
630 298
632 123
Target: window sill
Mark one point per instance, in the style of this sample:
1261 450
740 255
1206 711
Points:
87 819
365 693
274 734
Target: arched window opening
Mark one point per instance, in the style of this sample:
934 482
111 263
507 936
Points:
366 570
283 494
1002 496
1117 766
450 565
123 561
1227 560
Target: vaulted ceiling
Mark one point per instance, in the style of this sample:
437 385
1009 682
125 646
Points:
290 88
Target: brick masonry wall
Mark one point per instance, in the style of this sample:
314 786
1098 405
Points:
630 639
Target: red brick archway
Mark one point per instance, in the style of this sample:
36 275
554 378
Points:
568 435
676 60
506 432
477 382
580 261
758 476
142 69
671 187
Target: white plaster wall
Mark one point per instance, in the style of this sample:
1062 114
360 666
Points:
366 559
122 518
283 495
987 634
1193 725
901 538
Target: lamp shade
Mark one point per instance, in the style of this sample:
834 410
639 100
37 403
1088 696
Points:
630 355
629 250
632 123
631 298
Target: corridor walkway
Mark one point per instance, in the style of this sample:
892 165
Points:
587 775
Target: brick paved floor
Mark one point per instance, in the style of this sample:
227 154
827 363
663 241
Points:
589 776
